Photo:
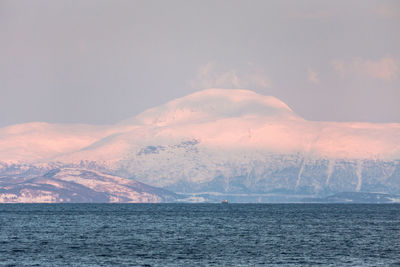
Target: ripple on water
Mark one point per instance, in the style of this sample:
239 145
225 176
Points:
199 234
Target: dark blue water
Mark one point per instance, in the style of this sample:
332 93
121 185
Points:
199 234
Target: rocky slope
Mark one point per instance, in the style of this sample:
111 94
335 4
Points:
72 185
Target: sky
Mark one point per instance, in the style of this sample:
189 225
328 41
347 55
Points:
101 62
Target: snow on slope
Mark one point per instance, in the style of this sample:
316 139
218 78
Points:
207 138
38 141
213 104
241 119
217 117
79 185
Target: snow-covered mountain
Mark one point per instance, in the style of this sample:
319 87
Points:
222 141
71 185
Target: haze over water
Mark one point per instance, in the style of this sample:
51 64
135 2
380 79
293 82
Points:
199 234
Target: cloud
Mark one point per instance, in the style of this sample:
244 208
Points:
208 76
385 68
312 76
312 14
387 11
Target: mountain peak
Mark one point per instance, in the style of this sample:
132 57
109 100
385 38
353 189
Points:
240 96
215 104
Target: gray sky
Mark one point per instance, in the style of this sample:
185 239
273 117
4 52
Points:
105 61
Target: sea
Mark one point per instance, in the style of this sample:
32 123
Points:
200 235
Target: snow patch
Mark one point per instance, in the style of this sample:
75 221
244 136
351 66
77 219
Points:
359 175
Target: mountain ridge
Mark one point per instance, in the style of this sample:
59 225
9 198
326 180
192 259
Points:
228 140
75 185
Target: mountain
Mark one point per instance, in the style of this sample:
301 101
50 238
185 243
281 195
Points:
356 197
219 142
72 185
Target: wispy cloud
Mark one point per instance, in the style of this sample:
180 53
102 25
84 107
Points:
208 76
312 76
385 68
388 11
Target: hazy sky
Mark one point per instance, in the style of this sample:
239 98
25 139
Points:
104 61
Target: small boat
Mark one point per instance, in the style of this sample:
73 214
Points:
224 201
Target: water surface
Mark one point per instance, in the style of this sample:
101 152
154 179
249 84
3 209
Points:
199 234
